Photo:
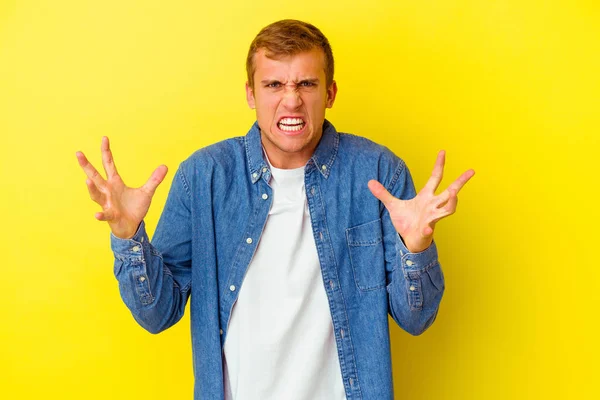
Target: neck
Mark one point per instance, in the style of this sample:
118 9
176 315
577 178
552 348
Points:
279 158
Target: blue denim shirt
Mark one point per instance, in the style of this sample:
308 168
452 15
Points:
212 223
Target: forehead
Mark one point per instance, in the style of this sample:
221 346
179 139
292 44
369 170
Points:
305 64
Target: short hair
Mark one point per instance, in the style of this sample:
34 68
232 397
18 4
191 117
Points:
289 37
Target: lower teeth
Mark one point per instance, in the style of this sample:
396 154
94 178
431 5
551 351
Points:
291 127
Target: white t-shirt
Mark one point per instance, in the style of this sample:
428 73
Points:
280 342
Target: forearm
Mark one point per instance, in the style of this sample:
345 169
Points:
153 295
415 289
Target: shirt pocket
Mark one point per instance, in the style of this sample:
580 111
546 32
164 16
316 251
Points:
365 244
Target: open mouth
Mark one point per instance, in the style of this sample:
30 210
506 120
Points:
291 124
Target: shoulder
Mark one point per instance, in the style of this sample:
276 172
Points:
224 154
365 153
360 146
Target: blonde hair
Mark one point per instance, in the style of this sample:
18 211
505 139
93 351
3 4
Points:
289 37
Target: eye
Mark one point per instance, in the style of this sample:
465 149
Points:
307 84
274 84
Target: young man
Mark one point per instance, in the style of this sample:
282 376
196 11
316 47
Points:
296 241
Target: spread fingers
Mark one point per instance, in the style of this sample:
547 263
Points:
90 171
107 158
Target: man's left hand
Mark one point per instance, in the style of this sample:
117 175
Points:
415 219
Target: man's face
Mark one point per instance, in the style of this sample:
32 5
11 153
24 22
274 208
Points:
290 96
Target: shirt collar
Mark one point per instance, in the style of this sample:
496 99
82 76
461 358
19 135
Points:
322 159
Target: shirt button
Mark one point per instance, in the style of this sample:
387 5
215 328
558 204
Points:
142 278
331 285
221 331
412 288
254 175
232 288
324 167
312 190
135 248
265 169
409 263
342 333
265 196
249 240
351 382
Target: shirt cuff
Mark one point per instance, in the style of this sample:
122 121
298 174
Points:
130 248
417 262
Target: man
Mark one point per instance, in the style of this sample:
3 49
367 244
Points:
296 241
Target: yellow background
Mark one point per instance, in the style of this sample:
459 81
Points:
510 88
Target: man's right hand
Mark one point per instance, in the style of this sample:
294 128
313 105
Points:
123 207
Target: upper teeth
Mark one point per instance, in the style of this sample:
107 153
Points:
291 121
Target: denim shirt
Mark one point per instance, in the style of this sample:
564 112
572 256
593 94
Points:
211 226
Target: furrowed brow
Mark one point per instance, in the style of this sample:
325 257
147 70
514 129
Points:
268 81
310 80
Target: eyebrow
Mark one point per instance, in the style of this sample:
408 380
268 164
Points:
311 80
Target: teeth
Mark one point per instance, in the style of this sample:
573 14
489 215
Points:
292 128
291 121
291 124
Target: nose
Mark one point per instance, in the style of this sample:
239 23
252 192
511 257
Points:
291 97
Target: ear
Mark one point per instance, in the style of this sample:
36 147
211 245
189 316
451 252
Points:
250 97
331 93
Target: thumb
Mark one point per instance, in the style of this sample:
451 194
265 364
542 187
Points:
381 193
157 177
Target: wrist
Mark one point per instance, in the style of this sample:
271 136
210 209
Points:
127 232
417 246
